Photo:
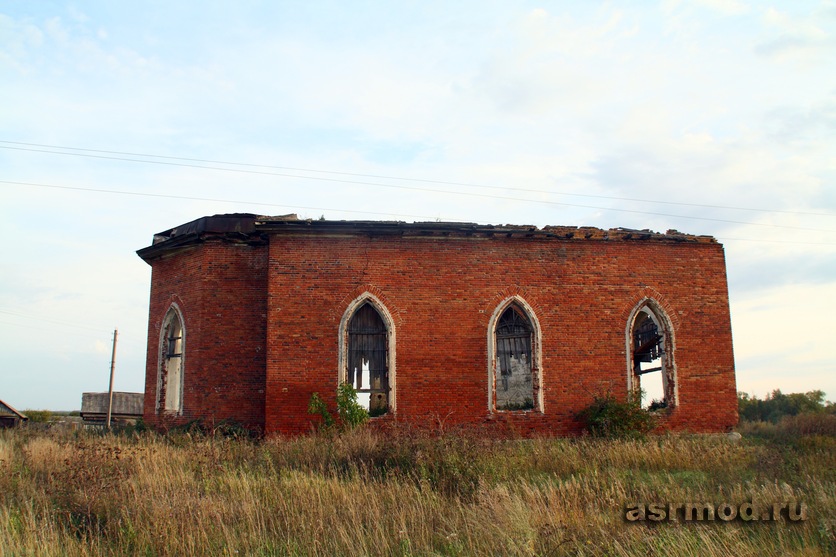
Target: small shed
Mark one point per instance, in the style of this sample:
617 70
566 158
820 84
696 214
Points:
127 407
9 417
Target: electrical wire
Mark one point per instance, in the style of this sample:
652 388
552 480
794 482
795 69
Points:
79 334
209 199
308 208
47 323
85 153
792 242
632 211
27 315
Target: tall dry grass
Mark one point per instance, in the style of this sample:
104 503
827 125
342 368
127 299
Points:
403 493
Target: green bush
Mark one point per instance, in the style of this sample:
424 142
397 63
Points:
351 414
611 418
318 406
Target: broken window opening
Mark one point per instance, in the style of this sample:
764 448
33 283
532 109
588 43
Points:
368 359
170 380
651 362
514 381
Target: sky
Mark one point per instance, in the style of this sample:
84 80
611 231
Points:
122 119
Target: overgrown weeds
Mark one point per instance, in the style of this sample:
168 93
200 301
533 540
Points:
793 427
350 413
611 418
401 492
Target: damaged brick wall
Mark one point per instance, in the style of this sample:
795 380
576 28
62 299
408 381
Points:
263 324
444 291
221 290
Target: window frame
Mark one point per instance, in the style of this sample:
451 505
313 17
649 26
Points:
165 356
343 343
538 383
670 383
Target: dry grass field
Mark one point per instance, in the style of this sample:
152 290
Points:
407 493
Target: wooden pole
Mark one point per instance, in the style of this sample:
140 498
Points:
110 388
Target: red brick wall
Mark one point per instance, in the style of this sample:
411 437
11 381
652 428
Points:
221 290
441 293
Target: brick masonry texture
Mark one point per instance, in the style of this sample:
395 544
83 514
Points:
262 313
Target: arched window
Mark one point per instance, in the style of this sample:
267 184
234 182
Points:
515 381
367 359
652 372
170 375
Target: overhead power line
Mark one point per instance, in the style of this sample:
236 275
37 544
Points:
725 239
307 208
633 211
42 328
212 200
26 315
85 152
49 323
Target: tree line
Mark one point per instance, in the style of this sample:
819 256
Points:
777 405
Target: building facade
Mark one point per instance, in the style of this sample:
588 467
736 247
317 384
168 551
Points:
452 323
9 417
125 408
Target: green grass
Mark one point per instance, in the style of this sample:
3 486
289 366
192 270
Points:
404 493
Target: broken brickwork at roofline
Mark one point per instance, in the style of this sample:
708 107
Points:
458 323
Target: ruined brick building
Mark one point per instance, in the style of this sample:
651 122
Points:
433 322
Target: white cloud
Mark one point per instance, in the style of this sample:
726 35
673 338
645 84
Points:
725 7
795 38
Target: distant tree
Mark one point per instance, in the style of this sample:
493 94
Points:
38 416
776 405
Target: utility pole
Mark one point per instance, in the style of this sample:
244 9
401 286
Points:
110 388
